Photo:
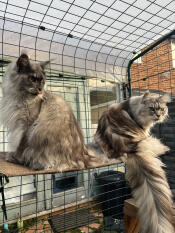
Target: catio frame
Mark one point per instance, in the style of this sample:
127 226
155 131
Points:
92 43
160 80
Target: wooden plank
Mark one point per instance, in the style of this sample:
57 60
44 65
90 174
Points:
130 216
12 169
131 224
131 209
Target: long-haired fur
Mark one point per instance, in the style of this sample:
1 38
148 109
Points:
43 131
124 130
150 188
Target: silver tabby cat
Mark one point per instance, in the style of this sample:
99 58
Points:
43 131
124 129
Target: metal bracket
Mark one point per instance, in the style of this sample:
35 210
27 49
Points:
2 183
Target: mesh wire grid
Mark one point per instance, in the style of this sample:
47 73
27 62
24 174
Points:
82 201
91 43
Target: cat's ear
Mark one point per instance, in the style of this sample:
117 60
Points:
165 98
23 63
145 96
44 64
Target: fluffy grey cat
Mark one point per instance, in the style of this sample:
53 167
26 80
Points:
43 131
123 130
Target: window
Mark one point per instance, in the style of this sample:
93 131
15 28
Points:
173 52
75 92
138 60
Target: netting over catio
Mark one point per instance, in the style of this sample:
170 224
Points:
91 38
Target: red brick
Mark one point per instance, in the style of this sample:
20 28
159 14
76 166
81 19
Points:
94 225
85 229
30 231
154 64
46 225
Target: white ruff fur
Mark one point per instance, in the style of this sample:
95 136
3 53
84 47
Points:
9 107
13 108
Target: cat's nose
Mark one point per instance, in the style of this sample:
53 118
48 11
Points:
157 117
39 90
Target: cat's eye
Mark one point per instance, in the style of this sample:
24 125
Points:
40 79
151 108
33 79
162 109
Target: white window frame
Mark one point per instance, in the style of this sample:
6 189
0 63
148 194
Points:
138 60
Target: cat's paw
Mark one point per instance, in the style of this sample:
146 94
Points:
37 167
124 157
3 155
48 168
10 157
121 159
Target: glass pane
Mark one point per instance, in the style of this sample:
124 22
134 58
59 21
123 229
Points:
66 181
70 92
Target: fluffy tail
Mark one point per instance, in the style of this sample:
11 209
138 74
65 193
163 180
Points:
150 188
98 157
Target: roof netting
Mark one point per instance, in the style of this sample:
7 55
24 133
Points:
94 38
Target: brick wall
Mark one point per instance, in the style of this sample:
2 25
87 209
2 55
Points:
156 73
156 70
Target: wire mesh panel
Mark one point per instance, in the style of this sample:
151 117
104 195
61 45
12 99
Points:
68 202
155 70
